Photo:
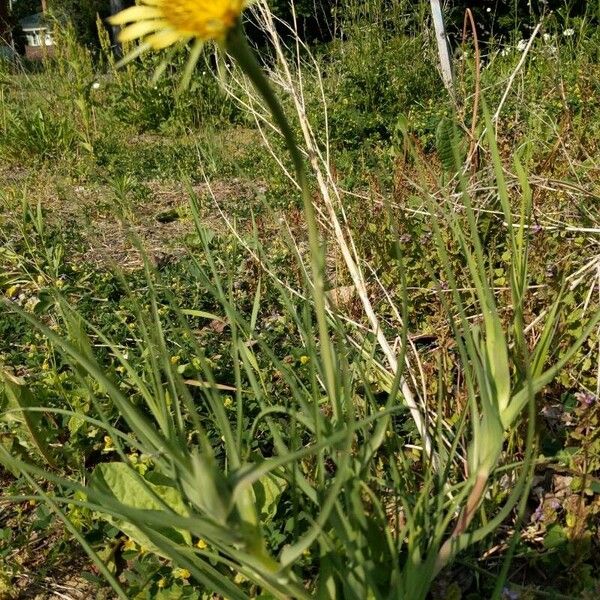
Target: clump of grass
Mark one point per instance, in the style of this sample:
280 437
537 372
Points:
354 468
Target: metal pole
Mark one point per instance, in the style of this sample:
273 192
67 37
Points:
443 45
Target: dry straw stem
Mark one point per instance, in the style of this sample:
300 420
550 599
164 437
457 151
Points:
477 94
509 84
290 79
466 516
514 74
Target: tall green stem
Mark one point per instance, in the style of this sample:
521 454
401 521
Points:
238 48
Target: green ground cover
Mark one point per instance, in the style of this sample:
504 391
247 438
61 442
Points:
154 256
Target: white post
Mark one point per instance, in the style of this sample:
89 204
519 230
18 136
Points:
443 45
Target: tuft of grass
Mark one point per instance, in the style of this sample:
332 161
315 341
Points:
459 284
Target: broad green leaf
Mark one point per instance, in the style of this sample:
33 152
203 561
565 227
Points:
18 396
119 480
555 537
267 491
443 141
207 489
75 423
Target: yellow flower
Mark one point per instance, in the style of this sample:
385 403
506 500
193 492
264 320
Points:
228 402
12 291
304 359
162 582
201 544
181 574
162 23
129 544
159 24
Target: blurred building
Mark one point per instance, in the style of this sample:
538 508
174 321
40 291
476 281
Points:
38 36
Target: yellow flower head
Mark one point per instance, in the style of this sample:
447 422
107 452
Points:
239 579
129 544
181 574
162 23
201 544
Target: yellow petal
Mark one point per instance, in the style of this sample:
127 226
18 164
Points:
143 47
164 38
135 13
140 29
191 65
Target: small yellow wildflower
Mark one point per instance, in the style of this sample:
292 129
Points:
304 359
181 574
162 582
12 291
175 359
201 544
129 544
228 402
31 303
108 444
239 579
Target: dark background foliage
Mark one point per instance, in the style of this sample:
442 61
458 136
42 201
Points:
501 18
318 19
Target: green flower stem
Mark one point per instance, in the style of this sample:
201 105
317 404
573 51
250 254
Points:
237 46
448 549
